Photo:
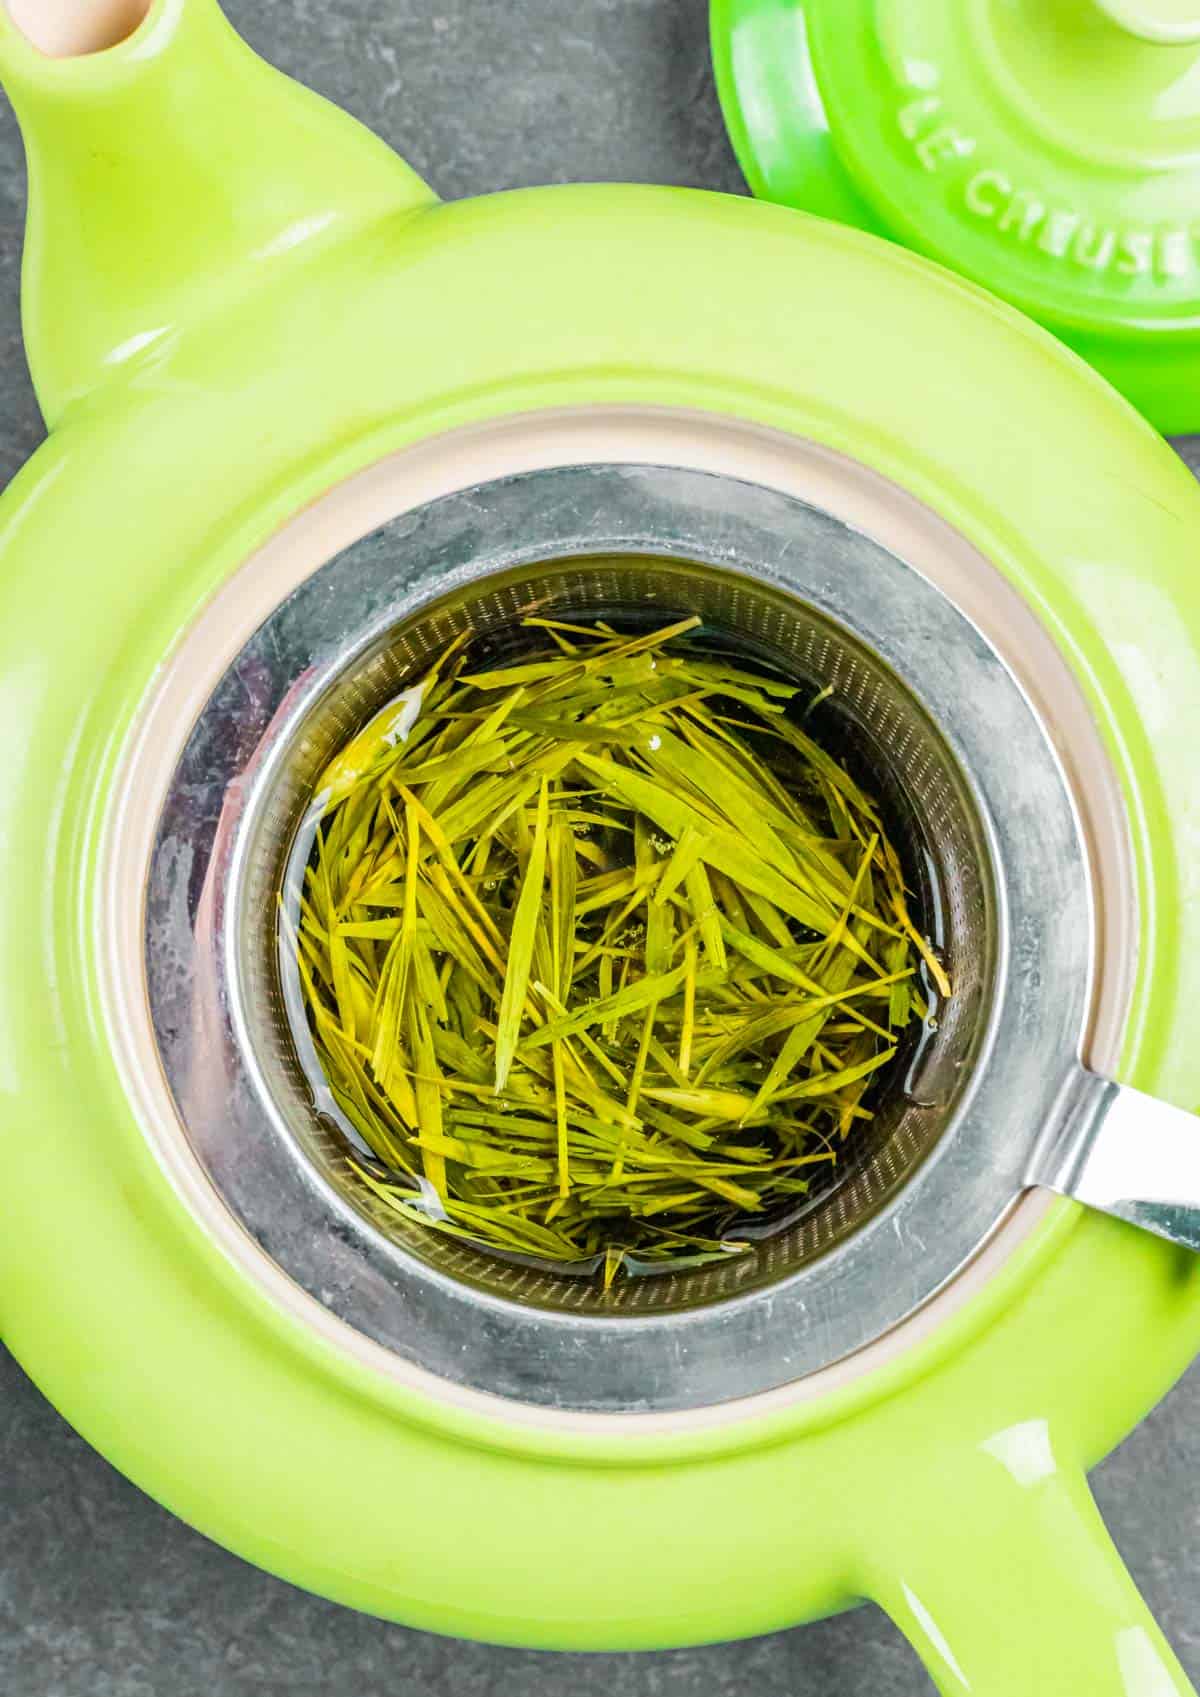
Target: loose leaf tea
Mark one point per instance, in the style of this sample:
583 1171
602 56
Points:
601 951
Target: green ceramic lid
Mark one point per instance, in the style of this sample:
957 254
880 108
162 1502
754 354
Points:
1047 149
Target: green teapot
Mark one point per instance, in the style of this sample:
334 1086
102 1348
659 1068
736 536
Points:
302 417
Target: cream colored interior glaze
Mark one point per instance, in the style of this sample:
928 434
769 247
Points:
441 466
65 29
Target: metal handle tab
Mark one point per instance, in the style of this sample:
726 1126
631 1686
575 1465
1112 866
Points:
1125 1154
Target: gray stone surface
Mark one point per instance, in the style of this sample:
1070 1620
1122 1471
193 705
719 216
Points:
102 1594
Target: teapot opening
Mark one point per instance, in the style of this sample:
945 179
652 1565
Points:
64 29
200 960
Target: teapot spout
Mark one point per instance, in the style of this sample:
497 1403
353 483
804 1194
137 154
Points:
170 168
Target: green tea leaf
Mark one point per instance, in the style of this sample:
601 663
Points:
520 946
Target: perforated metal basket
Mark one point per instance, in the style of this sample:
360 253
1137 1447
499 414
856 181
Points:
886 734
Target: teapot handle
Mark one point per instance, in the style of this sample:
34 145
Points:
170 171
1005 1580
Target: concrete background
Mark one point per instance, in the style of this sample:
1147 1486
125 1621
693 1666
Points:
102 1594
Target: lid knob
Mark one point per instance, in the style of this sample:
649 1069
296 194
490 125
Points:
1172 22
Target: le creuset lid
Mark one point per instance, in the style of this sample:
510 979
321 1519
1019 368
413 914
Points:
1047 149
292 395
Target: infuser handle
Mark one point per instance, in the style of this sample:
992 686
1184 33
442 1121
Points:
1002 1575
1125 1154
